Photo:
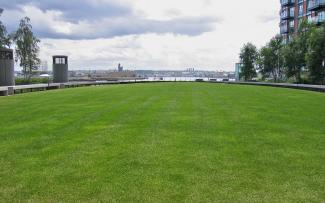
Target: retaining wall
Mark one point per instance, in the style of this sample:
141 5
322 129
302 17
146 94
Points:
10 90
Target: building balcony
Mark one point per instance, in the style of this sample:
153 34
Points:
284 30
287 15
287 2
312 19
317 19
314 5
320 20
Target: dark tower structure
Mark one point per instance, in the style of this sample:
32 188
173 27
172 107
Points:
7 72
60 69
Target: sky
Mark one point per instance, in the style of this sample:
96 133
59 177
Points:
146 34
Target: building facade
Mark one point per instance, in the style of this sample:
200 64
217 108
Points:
293 12
120 68
238 71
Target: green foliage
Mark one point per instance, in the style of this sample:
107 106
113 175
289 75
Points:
294 53
316 56
27 47
23 81
292 60
248 57
5 40
271 63
302 60
163 142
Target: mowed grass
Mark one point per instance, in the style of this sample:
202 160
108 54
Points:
163 142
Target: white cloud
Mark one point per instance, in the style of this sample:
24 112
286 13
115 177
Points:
213 48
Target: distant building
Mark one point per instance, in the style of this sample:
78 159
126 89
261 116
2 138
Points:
190 70
238 71
120 68
294 11
124 74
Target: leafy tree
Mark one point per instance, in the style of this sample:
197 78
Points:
5 40
27 47
316 56
271 60
248 56
264 61
294 53
292 61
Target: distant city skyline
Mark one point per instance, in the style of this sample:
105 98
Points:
146 34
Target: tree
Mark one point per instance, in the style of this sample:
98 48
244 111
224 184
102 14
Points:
316 56
5 40
292 61
248 56
265 61
295 52
27 47
271 60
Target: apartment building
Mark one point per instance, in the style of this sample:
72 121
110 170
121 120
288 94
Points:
294 11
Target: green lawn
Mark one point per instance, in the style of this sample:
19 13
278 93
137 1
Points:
163 142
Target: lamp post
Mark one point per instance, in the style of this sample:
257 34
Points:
323 65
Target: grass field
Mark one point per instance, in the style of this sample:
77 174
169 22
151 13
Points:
175 142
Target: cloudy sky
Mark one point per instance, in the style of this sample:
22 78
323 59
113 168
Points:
146 34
